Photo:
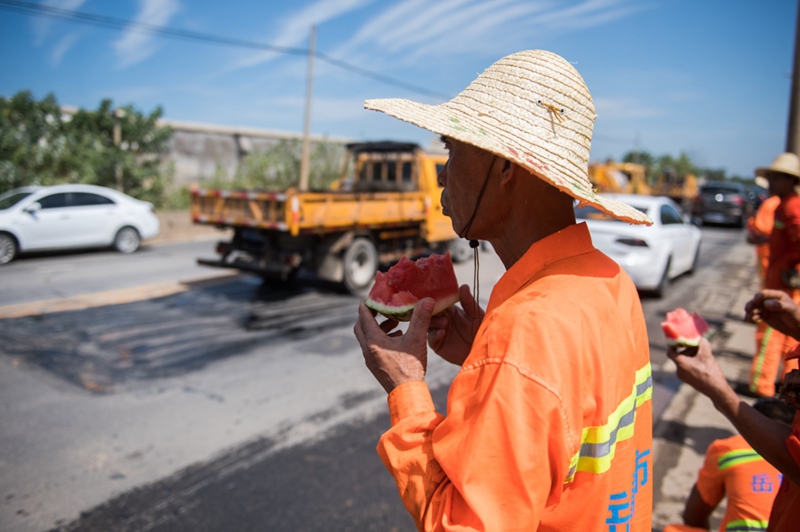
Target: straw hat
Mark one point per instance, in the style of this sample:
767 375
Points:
532 108
786 163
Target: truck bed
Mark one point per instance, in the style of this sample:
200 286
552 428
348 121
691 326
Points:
307 212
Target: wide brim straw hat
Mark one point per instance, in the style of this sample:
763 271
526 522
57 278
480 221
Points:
786 163
531 108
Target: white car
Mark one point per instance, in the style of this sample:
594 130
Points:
72 216
652 255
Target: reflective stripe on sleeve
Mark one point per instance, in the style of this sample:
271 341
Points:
735 458
746 525
598 444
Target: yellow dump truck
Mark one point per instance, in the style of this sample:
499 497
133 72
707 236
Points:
385 205
681 188
617 177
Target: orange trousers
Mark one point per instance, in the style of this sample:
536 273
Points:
771 348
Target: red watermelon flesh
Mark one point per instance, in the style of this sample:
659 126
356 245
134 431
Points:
396 292
684 329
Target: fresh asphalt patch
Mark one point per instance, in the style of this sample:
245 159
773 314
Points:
104 349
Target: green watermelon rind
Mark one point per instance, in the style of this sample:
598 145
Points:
405 312
686 342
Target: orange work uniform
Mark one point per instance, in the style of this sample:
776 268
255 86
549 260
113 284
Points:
549 421
760 226
785 516
733 469
784 254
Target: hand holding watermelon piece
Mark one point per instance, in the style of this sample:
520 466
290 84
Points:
396 292
684 330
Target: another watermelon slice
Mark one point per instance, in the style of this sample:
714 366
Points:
685 330
396 292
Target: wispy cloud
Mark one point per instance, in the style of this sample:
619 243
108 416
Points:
294 29
135 46
418 27
42 26
63 46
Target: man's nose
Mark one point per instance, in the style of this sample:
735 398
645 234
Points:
441 177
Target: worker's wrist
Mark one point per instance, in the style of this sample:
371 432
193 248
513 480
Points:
409 399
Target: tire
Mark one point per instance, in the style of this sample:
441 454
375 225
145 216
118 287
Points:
360 263
663 284
459 250
8 248
127 240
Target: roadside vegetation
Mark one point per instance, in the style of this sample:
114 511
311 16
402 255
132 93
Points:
117 147
124 148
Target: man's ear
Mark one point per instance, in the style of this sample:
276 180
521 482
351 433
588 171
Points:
511 171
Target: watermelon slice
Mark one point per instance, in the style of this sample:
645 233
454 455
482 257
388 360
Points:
396 292
685 330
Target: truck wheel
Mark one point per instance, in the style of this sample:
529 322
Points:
460 250
360 265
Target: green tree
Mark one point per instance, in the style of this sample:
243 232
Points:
41 145
31 140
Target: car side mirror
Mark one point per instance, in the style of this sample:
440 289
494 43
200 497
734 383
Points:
33 207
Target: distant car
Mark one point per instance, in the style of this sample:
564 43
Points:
723 203
651 255
756 195
72 216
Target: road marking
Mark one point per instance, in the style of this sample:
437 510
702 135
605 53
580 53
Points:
110 297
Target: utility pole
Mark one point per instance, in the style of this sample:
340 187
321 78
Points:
118 113
304 162
793 133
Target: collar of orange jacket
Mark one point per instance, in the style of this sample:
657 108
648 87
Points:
569 242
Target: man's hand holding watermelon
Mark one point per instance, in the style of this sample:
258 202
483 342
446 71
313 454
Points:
395 357
450 333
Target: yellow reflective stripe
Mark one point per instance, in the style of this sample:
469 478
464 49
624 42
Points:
735 458
746 525
598 444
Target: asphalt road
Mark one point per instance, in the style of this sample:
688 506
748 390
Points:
228 405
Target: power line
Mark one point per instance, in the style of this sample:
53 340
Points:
29 8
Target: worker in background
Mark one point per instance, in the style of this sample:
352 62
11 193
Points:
733 470
549 420
780 259
777 443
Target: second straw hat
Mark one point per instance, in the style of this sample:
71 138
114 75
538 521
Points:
785 163
532 108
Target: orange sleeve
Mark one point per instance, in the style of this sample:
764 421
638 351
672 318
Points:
710 481
427 453
764 219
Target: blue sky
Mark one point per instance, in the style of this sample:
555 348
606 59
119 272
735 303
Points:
710 78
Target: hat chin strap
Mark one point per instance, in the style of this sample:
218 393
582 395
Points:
474 243
476 266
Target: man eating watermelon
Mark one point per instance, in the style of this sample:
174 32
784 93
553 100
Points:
548 422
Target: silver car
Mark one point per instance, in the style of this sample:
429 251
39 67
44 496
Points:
651 255
71 217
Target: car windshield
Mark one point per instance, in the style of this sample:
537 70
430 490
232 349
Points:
11 199
588 212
